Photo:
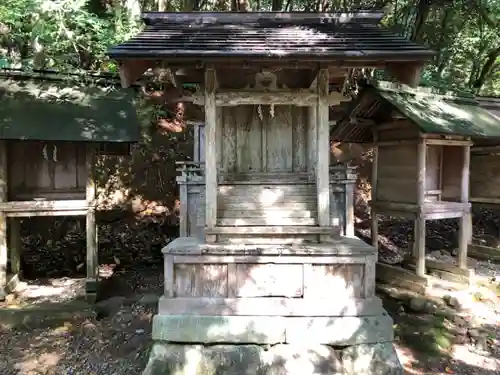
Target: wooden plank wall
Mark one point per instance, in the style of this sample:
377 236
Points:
254 140
451 175
250 280
397 173
485 176
34 173
398 130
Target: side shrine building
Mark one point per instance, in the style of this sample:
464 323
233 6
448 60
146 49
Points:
268 280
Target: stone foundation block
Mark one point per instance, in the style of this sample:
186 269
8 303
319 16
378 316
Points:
281 359
175 359
374 359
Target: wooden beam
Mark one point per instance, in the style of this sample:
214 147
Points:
374 183
465 230
210 152
15 245
300 97
323 150
3 219
131 70
419 224
406 73
91 226
46 205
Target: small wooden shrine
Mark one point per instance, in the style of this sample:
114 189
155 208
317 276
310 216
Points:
421 162
485 171
192 192
51 129
267 223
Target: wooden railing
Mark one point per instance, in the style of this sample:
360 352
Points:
191 171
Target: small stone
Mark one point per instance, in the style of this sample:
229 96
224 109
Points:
139 331
452 302
419 304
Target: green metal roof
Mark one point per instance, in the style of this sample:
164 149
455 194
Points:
35 108
441 114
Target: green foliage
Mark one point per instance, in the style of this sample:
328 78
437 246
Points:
60 35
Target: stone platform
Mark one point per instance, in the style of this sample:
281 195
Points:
281 359
254 309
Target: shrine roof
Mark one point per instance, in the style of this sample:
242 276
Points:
489 103
63 108
355 36
446 114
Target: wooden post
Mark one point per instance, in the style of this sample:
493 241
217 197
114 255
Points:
183 214
465 230
349 209
373 212
323 151
91 226
15 246
210 153
419 225
196 143
3 219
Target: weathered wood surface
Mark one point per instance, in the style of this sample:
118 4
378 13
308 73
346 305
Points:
242 207
401 277
267 205
45 208
296 97
3 218
210 150
397 173
46 170
287 279
200 280
452 165
397 130
92 236
267 280
484 252
323 151
255 140
485 177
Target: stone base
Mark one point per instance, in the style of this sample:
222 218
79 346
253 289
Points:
281 359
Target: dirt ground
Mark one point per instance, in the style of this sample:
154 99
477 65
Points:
116 340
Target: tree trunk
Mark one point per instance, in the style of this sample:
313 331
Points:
487 68
277 5
422 10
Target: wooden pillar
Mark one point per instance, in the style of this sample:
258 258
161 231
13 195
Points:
349 209
465 230
373 212
3 218
91 226
183 214
15 245
210 152
419 225
323 150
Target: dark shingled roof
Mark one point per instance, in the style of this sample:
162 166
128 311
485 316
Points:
296 35
48 107
432 113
